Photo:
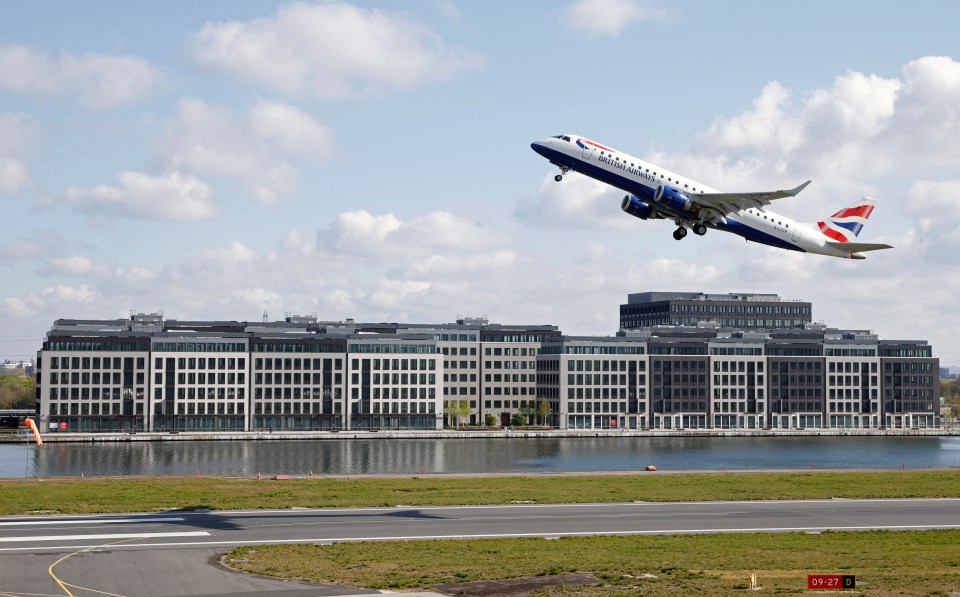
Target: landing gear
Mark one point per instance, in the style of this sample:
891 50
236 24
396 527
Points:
679 233
563 170
699 229
558 177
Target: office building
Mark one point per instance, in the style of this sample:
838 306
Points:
710 378
146 373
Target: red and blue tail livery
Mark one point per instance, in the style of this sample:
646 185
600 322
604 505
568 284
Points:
654 193
846 224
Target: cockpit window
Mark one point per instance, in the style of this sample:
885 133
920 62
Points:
566 138
557 137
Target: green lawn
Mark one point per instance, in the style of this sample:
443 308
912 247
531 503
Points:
83 496
890 563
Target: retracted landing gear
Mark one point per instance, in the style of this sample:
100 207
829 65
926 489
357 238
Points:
679 233
563 170
699 229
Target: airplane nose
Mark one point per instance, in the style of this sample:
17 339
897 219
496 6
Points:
538 147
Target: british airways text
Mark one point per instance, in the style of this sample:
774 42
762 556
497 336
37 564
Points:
628 169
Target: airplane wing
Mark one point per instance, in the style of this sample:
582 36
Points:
858 247
722 204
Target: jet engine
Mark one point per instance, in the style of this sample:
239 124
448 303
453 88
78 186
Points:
672 199
637 208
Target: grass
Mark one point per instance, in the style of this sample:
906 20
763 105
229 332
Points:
890 563
98 495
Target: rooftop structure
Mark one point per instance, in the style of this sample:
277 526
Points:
736 310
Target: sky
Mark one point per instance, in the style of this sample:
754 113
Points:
371 160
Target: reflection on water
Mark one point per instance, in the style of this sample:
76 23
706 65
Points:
413 456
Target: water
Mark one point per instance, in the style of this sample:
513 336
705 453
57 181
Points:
490 455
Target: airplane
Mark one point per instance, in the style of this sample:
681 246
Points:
656 193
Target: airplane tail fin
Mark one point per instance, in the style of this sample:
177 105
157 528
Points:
846 224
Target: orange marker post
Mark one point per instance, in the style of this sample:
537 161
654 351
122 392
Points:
36 432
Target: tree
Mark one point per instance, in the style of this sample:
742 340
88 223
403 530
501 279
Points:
544 411
457 409
527 411
17 390
950 392
490 420
518 420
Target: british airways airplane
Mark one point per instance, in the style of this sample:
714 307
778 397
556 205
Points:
655 193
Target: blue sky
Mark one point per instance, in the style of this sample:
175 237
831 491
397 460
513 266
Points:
371 159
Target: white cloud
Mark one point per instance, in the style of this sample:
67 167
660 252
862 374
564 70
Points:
291 130
14 142
362 234
927 122
172 196
861 127
457 267
610 17
100 81
213 141
330 50
933 208
257 297
136 273
233 255
939 200
577 202
447 8
79 294
60 298
15 135
74 265
13 176
39 244
396 295
765 127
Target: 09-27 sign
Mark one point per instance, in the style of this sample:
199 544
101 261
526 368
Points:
831 582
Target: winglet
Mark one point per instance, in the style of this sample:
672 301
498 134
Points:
796 191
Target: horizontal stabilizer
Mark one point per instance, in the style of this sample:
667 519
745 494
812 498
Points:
858 247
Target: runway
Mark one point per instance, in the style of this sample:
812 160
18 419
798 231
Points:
175 553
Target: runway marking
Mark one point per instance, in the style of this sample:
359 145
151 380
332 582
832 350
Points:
89 521
107 536
64 585
329 540
575 505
